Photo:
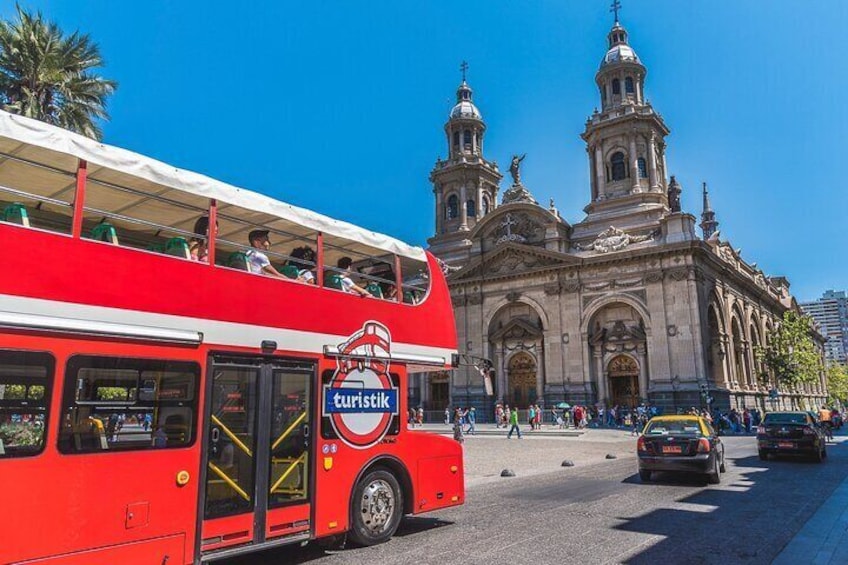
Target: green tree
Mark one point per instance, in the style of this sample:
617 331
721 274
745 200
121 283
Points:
49 76
791 353
837 382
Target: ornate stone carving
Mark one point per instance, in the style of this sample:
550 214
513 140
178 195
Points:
513 296
654 277
571 286
508 234
518 228
458 300
628 283
613 239
597 286
475 299
678 274
552 289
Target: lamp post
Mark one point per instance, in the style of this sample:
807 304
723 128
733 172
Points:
675 383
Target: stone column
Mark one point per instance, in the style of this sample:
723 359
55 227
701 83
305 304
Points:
634 165
652 162
642 354
479 203
473 142
599 373
599 171
463 211
637 86
440 212
593 181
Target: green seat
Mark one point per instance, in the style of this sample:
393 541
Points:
290 271
334 281
156 248
16 214
375 290
178 247
409 297
104 231
237 260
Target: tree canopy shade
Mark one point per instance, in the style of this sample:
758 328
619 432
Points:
47 75
837 382
791 353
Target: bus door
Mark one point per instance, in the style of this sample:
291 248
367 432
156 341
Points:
258 485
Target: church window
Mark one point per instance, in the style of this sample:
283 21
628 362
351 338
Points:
628 85
616 86
643 169
485 205
619 170
453 207
471 208
456 138
467 138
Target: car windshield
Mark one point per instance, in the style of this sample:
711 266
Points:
673 427
785 418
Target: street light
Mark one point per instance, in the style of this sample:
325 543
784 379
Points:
675 383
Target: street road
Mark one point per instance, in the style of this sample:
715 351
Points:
599 511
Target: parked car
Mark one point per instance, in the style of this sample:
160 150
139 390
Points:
680 444
791 433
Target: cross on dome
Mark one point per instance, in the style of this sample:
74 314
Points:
615 7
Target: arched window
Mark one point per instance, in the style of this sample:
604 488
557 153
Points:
643 169
467 138
619 170
485 206
453 207
628 85
470 208
616 86
456 138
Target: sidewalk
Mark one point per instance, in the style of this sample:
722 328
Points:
824 538
491 430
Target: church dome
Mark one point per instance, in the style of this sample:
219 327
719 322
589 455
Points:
465 108
620 53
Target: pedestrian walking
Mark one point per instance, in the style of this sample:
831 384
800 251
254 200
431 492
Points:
513 423
447 416
471 420
531 417
419 417
457 428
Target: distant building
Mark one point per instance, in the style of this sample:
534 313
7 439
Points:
831 314
628 305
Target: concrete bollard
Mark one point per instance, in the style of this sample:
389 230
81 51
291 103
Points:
507 473
568 463
611 456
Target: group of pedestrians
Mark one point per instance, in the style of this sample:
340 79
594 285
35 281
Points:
464 421
734 421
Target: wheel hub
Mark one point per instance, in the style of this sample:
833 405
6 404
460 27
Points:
378 505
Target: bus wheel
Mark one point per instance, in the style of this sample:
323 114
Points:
377 508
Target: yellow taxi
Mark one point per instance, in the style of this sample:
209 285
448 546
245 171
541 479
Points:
685 443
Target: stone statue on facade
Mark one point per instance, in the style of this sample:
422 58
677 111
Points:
613 239
515 169
674 191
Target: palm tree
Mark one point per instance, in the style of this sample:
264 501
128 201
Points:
47 75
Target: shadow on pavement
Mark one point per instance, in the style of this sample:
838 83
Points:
745 519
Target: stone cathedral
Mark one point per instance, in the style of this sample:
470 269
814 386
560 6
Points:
629 305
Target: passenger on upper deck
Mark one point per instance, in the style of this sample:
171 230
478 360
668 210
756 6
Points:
257 262
303 259
199 246
347 284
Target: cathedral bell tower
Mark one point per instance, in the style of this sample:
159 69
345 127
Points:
465 184
625 144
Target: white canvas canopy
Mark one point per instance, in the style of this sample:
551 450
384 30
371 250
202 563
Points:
40 143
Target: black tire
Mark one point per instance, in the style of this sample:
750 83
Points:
722 467
376 508
714 478
645 475
763 455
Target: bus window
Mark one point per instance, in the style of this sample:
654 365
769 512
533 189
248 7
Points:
37 196
26 381
113 403
416 280
348 262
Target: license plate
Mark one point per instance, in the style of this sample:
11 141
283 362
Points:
788 444
672 449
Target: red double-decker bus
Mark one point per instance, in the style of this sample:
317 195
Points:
190 370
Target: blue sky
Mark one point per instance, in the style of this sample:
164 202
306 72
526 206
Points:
339 106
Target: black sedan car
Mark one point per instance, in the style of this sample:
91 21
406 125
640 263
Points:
683 444
791 433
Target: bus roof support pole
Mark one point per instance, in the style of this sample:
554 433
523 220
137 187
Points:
79 199
398 280
319 275
212 231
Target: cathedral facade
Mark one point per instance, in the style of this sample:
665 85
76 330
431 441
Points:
629 305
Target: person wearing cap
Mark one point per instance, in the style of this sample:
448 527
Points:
257 261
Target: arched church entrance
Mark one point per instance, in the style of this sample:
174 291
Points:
521 379
623 372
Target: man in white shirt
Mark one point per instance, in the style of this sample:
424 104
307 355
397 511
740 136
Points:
347 284
257 261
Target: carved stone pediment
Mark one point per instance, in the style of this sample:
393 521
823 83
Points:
512 259
516 329
613 239
518 226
